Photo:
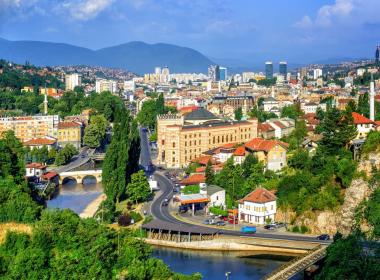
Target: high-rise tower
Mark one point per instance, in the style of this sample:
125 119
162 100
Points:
372 100
377 54
269 70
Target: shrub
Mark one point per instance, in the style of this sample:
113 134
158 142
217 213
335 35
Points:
135 216
124 220
191 189
217 210
304 229
295 229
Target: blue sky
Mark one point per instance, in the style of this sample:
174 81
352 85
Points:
299 31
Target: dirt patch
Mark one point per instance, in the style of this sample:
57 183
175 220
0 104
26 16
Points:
13 227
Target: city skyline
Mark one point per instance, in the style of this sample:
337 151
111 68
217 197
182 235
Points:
243 31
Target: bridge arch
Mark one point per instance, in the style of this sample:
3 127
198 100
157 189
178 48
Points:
91 177
67 179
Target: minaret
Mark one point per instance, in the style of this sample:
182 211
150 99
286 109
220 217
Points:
273 94
45 103
372 100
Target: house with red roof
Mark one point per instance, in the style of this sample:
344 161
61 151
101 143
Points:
35 169
363 125
271 152
258 207
47 141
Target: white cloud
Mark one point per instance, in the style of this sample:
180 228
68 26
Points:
84 10
328 13
304 22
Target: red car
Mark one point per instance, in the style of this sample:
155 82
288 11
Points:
231 220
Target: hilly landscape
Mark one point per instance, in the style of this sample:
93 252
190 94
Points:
138 57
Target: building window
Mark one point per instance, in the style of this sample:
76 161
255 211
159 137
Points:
173 144
163 142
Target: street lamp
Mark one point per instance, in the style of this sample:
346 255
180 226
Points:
228 273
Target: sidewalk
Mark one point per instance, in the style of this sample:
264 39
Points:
198 219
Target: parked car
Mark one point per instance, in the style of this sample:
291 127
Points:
323 237
248 229
270 227
183 209
207 222
231 220
165 203
220 223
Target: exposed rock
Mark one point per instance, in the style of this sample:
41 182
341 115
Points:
368 162
355 194
328 221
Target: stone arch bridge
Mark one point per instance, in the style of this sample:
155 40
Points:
79 176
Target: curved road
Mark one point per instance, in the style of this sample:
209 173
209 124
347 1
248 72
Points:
166 188
162 213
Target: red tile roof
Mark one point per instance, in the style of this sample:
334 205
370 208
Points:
63 125
40 141
264 127
360 119
200 169
240 151
260 195
49 175
260 144
194 179
35 165
203 160
279 124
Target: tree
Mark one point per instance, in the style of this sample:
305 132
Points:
363 105
346 260
138 189
209 172
122 156
65 155
238 114
337 129
291 111
160 104
95 132
11 157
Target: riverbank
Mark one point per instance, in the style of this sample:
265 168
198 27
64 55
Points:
255 246
91 209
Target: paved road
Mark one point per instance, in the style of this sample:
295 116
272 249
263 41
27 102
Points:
166 191
162 213
145 159
78 160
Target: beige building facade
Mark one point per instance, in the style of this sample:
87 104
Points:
181 139
29 127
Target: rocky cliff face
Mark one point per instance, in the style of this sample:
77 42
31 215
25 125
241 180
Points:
368 162
328 221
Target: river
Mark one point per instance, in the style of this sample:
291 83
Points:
76 197
214 265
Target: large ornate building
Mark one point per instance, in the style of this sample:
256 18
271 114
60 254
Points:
183 138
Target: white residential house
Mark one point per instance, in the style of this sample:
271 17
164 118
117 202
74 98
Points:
217 196
35 169
363 125
257 207
312 107
270 104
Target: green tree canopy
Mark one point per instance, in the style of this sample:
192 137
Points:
138 189
95 132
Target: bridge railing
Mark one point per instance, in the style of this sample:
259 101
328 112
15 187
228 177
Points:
293 261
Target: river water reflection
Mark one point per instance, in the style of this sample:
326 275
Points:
214 265
76 196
